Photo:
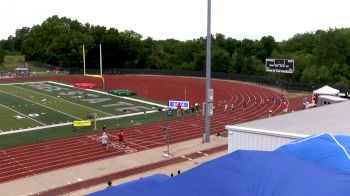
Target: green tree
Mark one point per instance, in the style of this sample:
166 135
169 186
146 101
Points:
2 55
221 61
266 46
321 56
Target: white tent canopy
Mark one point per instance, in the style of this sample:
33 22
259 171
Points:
327 90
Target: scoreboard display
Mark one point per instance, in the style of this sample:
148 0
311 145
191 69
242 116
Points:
279 65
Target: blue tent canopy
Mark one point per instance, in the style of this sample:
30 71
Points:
131 188
325 149
256 173
252 173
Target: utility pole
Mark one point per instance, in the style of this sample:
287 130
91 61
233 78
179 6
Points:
208 76
166 130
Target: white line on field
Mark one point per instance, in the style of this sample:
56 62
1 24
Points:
64 100
121 97
35 128
41 105
6 84
69 123
22 114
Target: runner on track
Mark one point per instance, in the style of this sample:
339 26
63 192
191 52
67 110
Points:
121 136
104 140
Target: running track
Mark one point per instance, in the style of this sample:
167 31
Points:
42 157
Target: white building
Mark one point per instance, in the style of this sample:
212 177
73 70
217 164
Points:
327 99
271 133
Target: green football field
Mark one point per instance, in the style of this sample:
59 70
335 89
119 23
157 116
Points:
38 105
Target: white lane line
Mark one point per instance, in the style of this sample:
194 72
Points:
145 141
137 130
128 141
105 93
41 105
22 114
94 109
186 158
205 154
194 125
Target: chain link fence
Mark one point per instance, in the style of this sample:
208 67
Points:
282 84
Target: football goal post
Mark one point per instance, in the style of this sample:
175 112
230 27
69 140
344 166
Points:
95 75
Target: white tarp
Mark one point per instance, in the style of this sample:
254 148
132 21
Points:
327 90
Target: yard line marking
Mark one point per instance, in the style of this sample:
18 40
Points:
19 83
69 123
42 105
64 100
105 93
34 128
22 114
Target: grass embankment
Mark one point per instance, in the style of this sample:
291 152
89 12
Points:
14 60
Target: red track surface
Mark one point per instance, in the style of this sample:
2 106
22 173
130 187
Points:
38 158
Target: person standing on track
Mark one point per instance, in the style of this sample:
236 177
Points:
104 140
255 105
244 106
192 108
285 107
104 129
196 106
178 107
120 136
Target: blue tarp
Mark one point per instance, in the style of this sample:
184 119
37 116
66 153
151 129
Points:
256 173
325 149
252 173
131 188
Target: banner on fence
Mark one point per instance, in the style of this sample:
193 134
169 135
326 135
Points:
184 104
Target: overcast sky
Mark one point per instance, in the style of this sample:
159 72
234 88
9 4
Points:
184 19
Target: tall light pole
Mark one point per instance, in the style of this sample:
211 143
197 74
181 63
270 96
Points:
208 76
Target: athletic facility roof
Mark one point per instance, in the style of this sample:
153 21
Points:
333 118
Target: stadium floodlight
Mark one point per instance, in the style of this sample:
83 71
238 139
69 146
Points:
95 75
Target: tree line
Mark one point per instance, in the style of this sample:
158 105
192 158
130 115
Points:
320 57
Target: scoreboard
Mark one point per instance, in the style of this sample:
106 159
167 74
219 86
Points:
279 65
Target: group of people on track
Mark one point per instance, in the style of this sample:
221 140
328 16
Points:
105 140
194 109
